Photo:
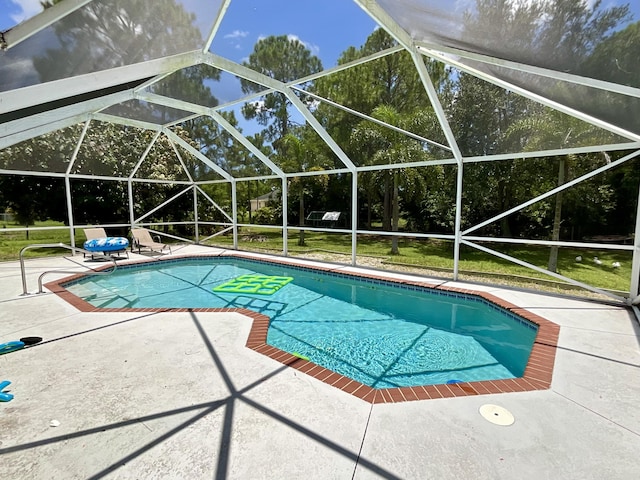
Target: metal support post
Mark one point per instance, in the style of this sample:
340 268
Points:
354 218
285 217
72 235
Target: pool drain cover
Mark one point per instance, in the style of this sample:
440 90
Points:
497 415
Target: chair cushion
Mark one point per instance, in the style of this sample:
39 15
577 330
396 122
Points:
107 244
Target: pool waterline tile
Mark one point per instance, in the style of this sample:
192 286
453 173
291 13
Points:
537 376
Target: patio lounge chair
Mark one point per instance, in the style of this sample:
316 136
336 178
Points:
98 241
142 239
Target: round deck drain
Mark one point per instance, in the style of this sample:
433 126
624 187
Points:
497 415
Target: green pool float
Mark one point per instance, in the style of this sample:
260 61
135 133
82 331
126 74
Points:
254 283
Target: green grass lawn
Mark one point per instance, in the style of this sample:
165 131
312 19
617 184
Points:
438 254
428 254
12 242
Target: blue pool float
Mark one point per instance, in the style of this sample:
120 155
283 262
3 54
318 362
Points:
10 347
107 244
4 396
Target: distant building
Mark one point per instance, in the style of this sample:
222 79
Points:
6 217
263 200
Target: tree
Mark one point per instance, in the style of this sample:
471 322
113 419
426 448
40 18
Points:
551 129
35 197
391 147
284 59
557 34
391 81
298 155
561 33
104 35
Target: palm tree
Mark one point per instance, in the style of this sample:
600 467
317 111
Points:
388 146
298 155
553 129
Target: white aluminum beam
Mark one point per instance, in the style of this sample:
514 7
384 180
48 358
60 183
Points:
173 103
345 66
216 24
553 191
634 289
221 232
32 173
315 124
195 214
251 225
542 270
315 173
374 120
242 179
184 167
67 192
523 67
439 236
382 18
15 138
75 110
234 212
252 75
166 202
198 154
395 166
535 97
313 76
144 155
354 218
218 207
127 122
418 60
285 217
202 110
74 155
68 87
554 153
550 243
241 71
235 133
33 25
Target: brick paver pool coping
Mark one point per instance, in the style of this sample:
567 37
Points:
537 375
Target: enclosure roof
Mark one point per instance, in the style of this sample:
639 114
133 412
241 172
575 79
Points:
67 63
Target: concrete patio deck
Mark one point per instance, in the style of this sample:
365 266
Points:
178 395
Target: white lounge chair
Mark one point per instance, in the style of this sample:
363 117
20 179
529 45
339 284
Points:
96 232
142 239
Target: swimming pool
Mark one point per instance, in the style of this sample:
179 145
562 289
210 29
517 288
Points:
376 332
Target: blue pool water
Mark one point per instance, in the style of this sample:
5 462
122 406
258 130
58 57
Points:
381 334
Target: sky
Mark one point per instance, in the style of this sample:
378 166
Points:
326 27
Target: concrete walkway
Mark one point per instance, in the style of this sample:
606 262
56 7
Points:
178 395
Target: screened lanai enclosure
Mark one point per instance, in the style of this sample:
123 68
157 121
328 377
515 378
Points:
482 127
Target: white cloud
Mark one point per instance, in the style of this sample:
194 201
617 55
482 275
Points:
237 34
315 49
28 8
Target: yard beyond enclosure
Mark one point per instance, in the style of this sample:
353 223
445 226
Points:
430 257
